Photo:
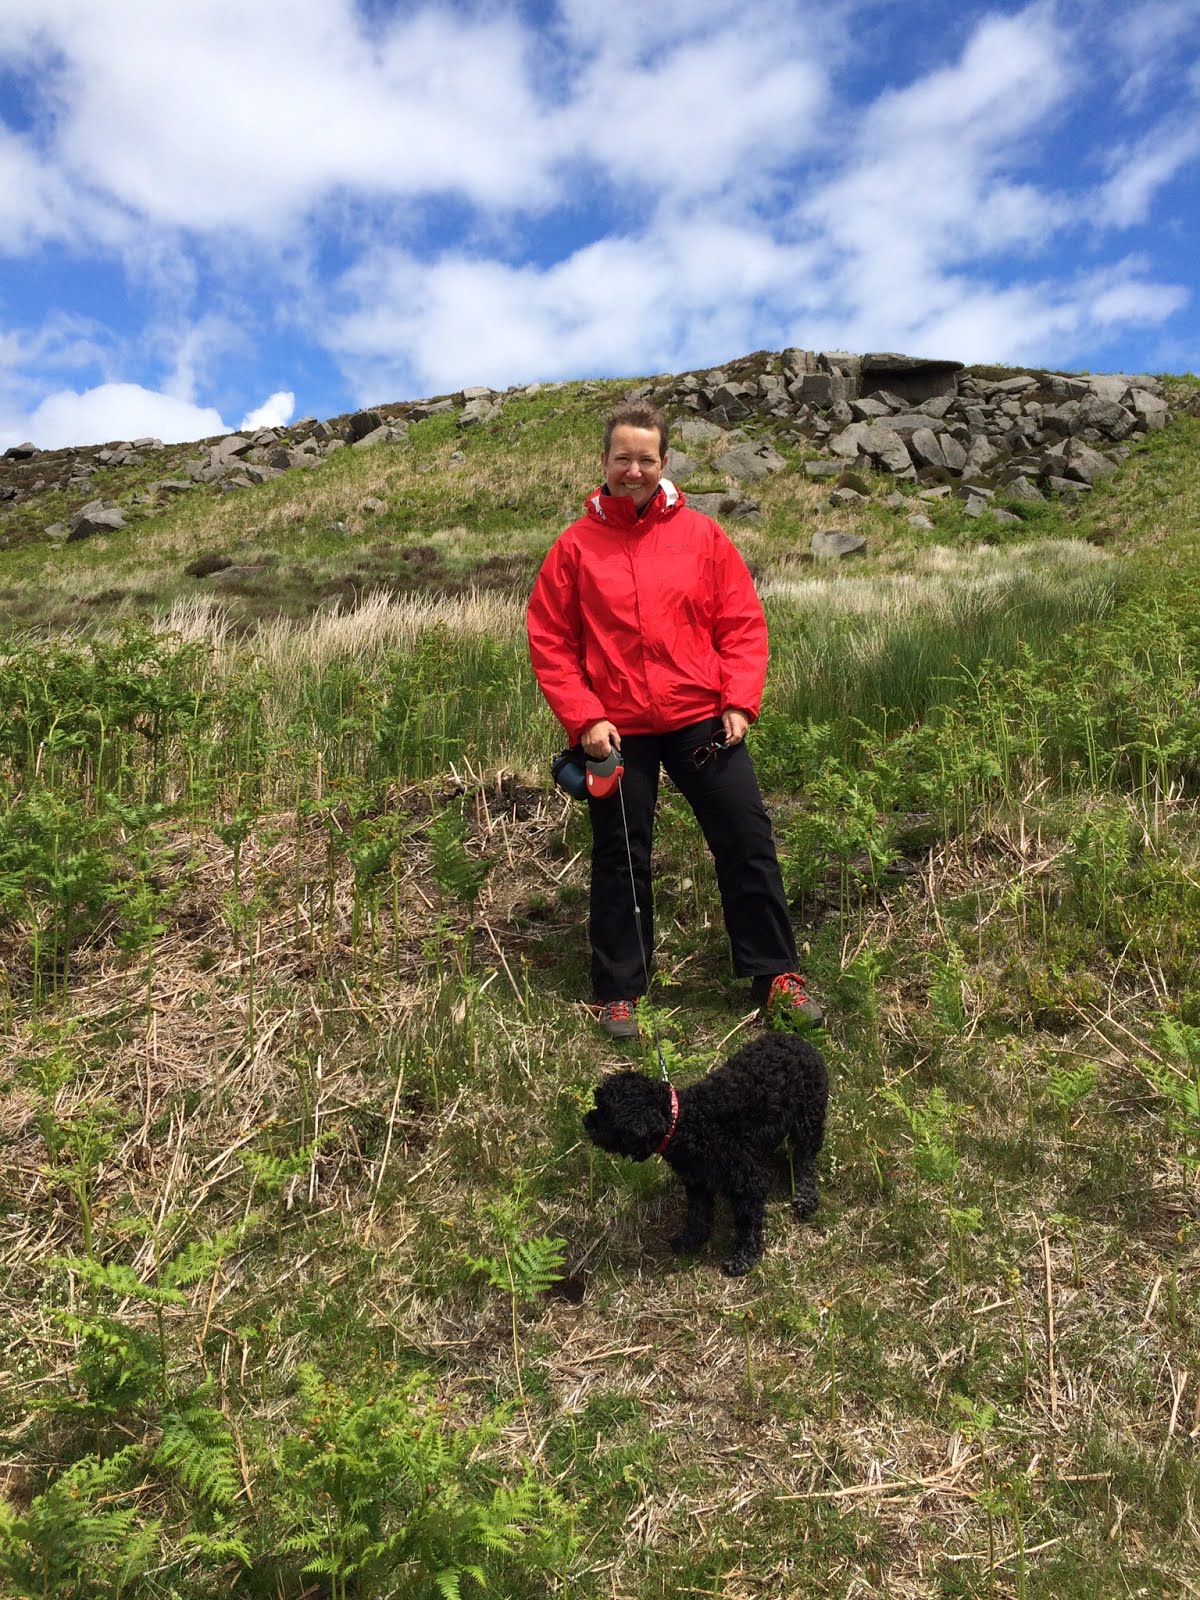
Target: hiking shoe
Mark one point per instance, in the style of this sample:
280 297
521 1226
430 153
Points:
784 1001
618 1019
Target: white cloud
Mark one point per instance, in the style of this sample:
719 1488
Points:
1141 172
275 410
208 114
631 305
113 411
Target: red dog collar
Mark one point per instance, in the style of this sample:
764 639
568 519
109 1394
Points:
670 1134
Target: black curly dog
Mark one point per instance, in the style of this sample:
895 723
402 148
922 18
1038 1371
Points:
718 1134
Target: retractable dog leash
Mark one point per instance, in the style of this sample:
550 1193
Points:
637 922
600 780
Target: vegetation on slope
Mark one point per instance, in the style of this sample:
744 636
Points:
313 1285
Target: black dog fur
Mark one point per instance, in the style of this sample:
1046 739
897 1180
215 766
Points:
772 1089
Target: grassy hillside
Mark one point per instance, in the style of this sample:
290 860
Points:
311 1285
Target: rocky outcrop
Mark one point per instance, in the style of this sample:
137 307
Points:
1029 434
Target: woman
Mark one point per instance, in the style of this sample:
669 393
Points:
646 634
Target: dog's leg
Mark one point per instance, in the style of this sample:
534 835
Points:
805 1197
698 1224
749 1206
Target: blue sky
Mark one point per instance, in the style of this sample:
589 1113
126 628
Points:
212 213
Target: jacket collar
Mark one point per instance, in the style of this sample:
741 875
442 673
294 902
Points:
619 511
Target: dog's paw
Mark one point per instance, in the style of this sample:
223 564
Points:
738 1266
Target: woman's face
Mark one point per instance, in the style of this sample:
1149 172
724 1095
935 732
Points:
633 465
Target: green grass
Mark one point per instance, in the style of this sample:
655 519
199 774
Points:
291 943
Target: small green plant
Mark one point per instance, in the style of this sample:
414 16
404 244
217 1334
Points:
525 1268
386 1493
84 1537
1067 1086
1177 1082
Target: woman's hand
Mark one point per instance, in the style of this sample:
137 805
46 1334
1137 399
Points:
735 723
598 739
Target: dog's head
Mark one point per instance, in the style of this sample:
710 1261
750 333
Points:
631 1115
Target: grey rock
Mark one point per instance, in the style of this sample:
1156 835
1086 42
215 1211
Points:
725 507
750 462
918 521
1066 488
374 506
233 444
1112 386
822 389
479 392
886 447
975 506
831 544
381 435
148 443
21 452
925 449
697 430
795 363
846 497
234 577
259 474
454 460
89 523
681 466
1007 386
1084 464
868 408
57 532
823 469
952 452
1108 417
173 485
941 491
478 409
432 408
1020 488
981 454
848 443
361 424
1151 410
911 377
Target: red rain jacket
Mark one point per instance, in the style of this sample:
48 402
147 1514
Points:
652 622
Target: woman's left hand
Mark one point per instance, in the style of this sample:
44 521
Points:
735 724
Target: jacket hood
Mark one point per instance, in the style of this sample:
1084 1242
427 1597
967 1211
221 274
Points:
618 510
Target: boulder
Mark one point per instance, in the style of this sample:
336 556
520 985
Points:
912 378
750 462
680 467
92 520
887 449
925 449
1106 416
696 430
361 424
1085 465
725 507
831 544
1150 410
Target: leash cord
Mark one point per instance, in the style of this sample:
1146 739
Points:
637 922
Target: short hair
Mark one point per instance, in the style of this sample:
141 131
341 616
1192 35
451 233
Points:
636 414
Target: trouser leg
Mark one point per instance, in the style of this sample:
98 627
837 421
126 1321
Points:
728 804
618 968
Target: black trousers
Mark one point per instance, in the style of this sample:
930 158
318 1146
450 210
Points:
724 795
